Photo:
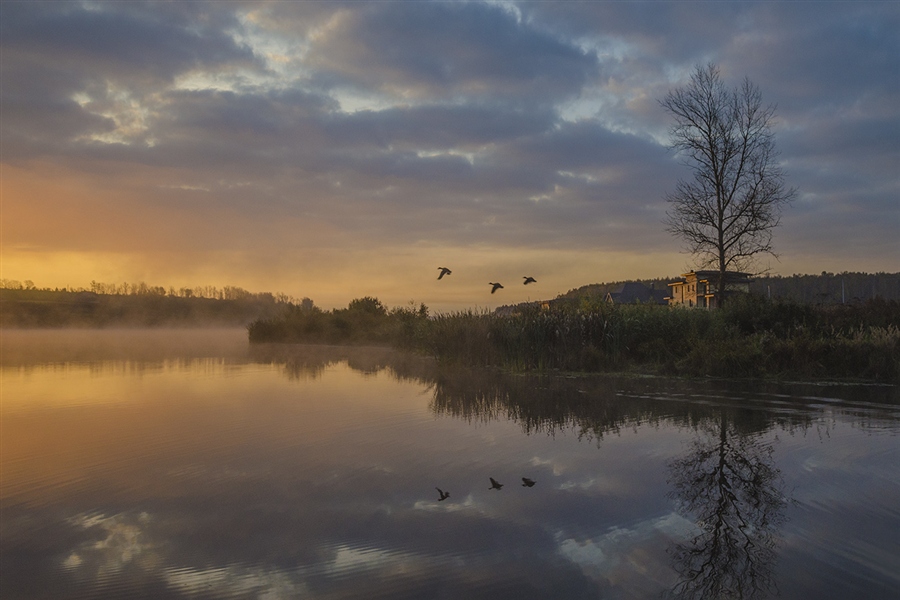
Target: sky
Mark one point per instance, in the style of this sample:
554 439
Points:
335 150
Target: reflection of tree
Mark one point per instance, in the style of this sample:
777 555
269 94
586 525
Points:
301 361
728 483
596 406
538 403
730 486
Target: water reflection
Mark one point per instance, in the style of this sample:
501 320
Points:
299 362
290 472
729 485
594 406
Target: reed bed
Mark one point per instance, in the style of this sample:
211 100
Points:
749 337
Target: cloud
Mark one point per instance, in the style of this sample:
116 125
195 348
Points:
301 132
421 51
126 45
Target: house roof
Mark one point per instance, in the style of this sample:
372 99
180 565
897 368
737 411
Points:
730 276
632 292
707 274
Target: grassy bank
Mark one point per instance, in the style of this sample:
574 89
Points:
750 337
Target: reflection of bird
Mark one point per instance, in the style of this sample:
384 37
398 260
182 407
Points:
444 495
529 280
527 482
495 485
496 286
444 271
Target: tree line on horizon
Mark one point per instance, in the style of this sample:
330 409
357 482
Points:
824 288
228 292
24 305
140 304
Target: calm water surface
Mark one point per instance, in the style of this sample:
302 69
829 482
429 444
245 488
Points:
186 464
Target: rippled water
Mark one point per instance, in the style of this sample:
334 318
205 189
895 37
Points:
185 464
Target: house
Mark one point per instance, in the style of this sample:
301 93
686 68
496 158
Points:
698 288
633 292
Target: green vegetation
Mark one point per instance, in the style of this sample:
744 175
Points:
750 337
133 305
364 321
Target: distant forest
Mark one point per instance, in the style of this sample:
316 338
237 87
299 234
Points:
825 288
24 305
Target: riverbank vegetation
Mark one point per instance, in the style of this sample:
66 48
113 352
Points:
364 321
751 336
139 305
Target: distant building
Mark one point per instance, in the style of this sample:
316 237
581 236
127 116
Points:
633 292
697 289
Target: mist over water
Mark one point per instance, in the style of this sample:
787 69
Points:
31 347
189 464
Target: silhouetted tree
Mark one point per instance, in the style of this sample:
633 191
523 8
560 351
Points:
368 305
727 211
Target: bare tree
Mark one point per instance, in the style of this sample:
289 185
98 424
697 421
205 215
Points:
727 211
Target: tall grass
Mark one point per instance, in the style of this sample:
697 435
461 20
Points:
749 337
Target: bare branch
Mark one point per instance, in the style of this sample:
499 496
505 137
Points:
727 211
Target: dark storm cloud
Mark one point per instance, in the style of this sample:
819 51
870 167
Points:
588 145
252 121
109 43
53 52
665 31
441 126
466 50
834 77
824 56
38 109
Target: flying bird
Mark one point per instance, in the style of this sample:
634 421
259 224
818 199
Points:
495 485
444 495
496 286
529 280
527 482
444 271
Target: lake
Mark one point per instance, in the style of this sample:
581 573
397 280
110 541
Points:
187 464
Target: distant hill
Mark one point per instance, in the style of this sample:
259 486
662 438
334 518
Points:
595 290
825 288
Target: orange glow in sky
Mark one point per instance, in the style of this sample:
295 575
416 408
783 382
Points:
338 152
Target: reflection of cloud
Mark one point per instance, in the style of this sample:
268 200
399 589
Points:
232 581
598 483
467 503
124 544
624 553
348 559
556 468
